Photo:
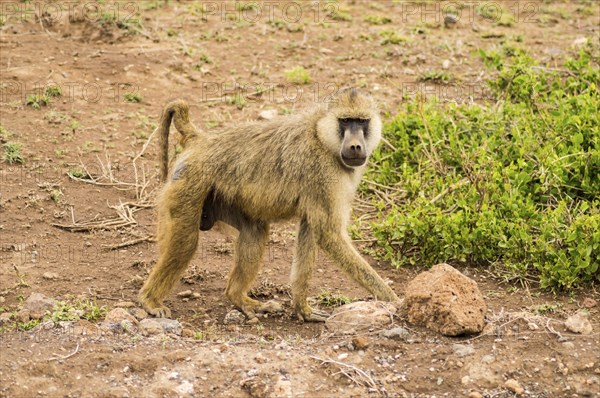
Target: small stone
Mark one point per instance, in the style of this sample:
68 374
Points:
532 326
446 64
138 313
579 323
118 315
580 41
187 332
475 394
85 328
149 327
514 386
50 276
5 318
152 326
360 316
589 303
342 356
463 350
252 321
185 294
185 388
487 359
360 342
234 317
37 305
397 333
255 387
267 114
465 380
568 345
450 19
125 304
259 358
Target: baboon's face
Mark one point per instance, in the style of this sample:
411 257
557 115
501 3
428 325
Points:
353 133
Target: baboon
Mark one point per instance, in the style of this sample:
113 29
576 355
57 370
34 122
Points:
306 166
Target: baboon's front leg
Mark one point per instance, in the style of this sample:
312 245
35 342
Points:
249 250
179 212
339 247
302 267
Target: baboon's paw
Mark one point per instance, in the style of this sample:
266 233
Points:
271 307
158 311
312 315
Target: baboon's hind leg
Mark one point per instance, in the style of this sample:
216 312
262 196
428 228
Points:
179 212
302 267
249 250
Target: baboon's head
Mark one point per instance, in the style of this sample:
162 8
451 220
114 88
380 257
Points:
351 128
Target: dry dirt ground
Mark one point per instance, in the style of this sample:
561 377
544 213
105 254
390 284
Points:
175 52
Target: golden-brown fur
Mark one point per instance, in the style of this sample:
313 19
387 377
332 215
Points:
256 173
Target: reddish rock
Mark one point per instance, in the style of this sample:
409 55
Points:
444 300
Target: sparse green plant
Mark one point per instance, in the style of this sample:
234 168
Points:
329 299
435 76
4 134
25 326
506 20
77 172
238 100
36 101
90 146
339 14
297 75
377 19
132 97
13 153
55 117
56 195
391 37
53 91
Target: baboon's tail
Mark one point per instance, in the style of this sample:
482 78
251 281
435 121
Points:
179 112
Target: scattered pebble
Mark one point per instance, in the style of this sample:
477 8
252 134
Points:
125 304
185 294
475 394
267 114
50 276
589 303
514 386
234 317
579 323
397 333
487 359
117 315
360 342
463 350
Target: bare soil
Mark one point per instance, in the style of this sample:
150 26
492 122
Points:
92 125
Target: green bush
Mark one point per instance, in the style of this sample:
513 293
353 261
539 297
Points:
515 184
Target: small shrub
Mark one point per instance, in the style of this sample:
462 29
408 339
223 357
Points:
53 91
132 97
12 153
36 101
377 20
297 75
513 186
